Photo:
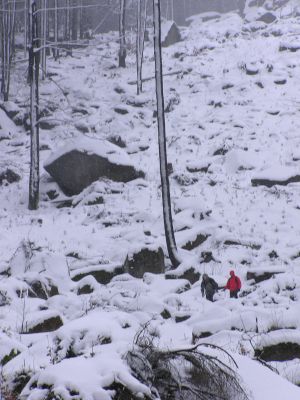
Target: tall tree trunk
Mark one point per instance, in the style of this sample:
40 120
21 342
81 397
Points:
74 27
166 199
122 51
43 36
25 26
8 14
34 61
55 50
140 40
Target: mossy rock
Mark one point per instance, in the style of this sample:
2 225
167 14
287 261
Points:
48 325
279 352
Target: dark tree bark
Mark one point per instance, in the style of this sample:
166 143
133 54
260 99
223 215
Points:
33 74
55 50
8 14
122 50
166 199
140 40
74 27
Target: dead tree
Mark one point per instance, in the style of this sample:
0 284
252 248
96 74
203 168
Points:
33 75
8 14
166 199
122 41
140 40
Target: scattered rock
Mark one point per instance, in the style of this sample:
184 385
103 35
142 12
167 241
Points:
41 290
190 274
192 244
227 86
48 325
260 276
268 18
10 108
165 314
220 152
182 317
85 289
280 81
289 47
117 140
273 254
185 179
279 352
82 127
271 182
237 243
251 71
146 260
103 273
9 176
121 110
75 167
48 124
207 257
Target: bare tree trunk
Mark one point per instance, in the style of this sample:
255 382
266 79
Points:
166 199
34 63
74 28
44 38
122 51
25 26
81 20
55 52
140 40
8 14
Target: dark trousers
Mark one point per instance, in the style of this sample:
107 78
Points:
234 294
209 296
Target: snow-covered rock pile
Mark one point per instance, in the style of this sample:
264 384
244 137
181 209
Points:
69 308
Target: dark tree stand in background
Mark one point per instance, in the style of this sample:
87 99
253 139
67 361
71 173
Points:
166 199
33 75
122 50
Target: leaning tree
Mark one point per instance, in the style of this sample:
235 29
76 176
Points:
166 199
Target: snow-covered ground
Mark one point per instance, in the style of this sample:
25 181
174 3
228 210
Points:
232 92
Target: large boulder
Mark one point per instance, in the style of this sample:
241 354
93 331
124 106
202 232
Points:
75 166
170 33
146 260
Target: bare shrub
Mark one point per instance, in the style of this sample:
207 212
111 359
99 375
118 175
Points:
184 374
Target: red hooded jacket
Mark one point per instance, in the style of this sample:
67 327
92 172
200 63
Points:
233 283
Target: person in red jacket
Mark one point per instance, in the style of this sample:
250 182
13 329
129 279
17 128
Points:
233 285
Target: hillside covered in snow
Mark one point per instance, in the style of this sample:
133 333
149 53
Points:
73 294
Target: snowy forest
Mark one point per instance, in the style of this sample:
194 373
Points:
149 179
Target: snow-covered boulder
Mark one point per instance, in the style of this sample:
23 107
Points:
170 33
81 162
268 18
43 321
101 273
145 260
